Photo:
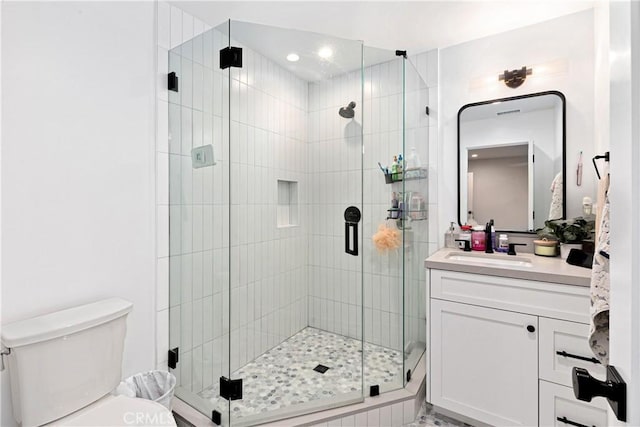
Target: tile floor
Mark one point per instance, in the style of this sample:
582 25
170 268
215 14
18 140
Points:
428 417
284 376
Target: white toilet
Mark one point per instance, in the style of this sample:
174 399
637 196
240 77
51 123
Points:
64 365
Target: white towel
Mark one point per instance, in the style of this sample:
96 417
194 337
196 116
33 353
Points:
599 325
555 209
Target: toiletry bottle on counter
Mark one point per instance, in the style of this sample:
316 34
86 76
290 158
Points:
465 234
503 243
478 238
450 240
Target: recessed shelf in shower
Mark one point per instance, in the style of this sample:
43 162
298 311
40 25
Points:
287 212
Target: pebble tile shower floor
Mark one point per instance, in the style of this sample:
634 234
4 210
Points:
284 376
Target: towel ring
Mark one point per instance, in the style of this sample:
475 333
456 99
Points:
604 156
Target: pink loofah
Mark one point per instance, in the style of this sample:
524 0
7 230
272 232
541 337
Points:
387 238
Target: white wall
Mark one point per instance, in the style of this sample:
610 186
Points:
624 193
77 164
469 73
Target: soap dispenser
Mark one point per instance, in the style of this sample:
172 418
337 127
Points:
450 238
489 233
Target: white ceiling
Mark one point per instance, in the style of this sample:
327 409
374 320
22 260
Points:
414 26
276 43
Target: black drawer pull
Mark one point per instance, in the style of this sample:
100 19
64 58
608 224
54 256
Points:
572 423
573 356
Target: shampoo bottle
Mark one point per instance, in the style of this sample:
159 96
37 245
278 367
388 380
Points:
394 168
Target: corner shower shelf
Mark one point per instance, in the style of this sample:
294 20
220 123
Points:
407 175
421 215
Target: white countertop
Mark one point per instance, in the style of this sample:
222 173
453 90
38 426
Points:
543 269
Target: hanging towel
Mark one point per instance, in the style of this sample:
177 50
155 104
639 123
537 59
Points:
555 209
599 325
603 187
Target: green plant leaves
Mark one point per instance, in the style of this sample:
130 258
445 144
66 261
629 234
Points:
568 231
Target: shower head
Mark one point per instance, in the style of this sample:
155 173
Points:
347 112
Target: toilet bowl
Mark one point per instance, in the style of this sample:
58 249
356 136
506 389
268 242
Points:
119 411
64 365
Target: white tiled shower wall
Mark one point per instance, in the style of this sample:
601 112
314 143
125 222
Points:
274 274
335 161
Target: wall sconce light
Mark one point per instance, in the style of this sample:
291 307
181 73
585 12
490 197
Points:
515 78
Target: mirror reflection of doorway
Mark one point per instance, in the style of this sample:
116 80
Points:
500 180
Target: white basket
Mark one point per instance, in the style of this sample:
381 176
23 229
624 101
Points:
152 385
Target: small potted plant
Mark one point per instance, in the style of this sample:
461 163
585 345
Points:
569 232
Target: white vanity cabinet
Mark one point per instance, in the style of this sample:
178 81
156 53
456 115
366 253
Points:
484 363
501 349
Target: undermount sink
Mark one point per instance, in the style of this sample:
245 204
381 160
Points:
494 260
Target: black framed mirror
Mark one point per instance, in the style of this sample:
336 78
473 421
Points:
512 161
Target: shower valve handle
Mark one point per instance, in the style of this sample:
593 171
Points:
352 217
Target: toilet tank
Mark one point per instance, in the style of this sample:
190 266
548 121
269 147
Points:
64 361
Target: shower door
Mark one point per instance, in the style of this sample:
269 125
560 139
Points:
296 269
415 143
266 240
199 197
395 126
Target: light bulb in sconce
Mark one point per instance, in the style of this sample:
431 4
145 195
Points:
550 68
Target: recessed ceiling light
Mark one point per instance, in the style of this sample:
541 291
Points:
292 57
325 52
474 155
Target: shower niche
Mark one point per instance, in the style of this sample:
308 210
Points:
261 289
287 213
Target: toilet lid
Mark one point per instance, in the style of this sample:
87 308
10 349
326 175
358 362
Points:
119 411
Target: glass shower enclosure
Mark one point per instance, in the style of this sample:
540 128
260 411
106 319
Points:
280 304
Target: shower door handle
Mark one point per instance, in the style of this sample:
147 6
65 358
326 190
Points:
347 238
352 218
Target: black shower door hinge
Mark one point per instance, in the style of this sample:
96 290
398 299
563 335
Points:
231 389
172 81
216 417
230 57
173 358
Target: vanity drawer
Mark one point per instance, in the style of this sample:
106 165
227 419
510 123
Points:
569 339
568 302
559 407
